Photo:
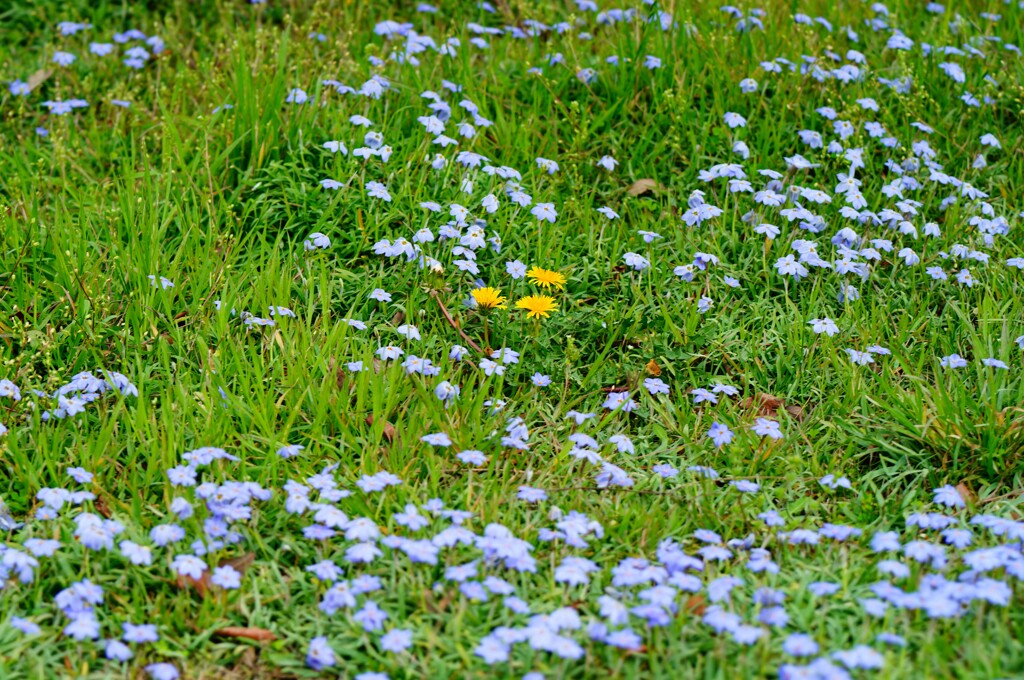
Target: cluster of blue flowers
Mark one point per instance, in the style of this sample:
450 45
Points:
946 563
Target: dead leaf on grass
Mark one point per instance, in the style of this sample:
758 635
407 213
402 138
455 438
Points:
389 429
642 186
257 634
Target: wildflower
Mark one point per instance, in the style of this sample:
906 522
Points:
488 298
824 325
636 261
409 332
471 457
319 654
720 434
544 212
63 58
734 120
953 361
829 481
139 633
764 427
540 380
823 589
619 401
396 640
515 269
378 190
226 577
438 439
25 626
371 617
949 496
290 450
316 241
547 165
164 284
162 671
80 475
389 352
491 367
799 644
492 650
537 306
860 656
189 565
531 495
860 358
546 278
990 140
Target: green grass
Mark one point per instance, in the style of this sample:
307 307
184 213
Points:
219 203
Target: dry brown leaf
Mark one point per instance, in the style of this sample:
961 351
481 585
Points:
38 78
100 503
241 563
642 186
766 404
696 605
435 606
398 318
769 406
389 429
796 411
200 585
257 634
653 368
966 493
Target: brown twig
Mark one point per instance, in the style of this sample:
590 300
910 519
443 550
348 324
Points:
451 321
1002 497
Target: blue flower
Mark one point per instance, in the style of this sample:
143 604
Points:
720 434
948 496
531 495
319 654
162 671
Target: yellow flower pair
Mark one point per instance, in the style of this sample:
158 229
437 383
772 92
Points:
535 305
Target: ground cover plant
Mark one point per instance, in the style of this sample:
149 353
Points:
526 339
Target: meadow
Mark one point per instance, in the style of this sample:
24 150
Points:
511 339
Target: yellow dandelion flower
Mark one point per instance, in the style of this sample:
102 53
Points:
537 306
488 298
546 278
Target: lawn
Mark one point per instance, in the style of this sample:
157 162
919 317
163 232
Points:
516 340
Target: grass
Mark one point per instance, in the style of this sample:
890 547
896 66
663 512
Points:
220 202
